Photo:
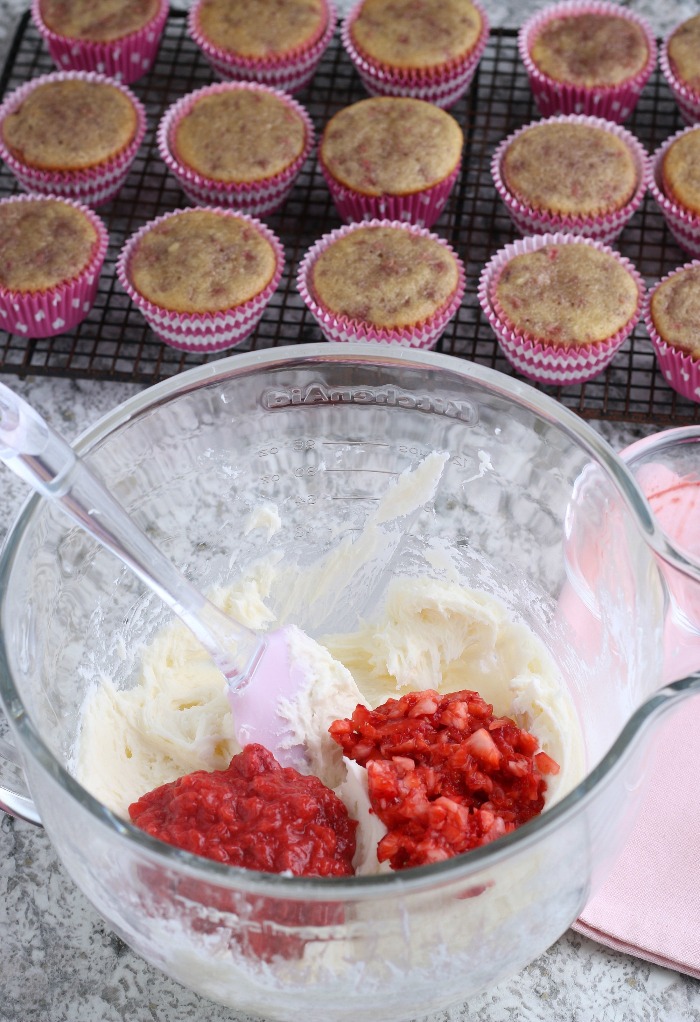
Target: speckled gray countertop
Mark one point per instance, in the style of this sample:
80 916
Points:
60 963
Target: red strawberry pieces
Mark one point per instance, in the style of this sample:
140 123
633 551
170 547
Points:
444 774
255 814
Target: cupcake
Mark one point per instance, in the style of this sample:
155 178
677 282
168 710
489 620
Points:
674 183
679 60
119 38
51 255
277 44
560 305
382 280
236 144
588 58
672 318
391 157
72 133
571 173
425 49
201 277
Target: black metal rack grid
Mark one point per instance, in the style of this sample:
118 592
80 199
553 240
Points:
114 343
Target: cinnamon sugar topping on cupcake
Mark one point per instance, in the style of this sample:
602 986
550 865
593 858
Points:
200 261
273 28
240 134
97 20
43 243
570 168
683 49
416 33
680 171
70 124
590 49
568 295
674 308
385 276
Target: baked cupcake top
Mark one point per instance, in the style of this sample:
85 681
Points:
99 21
683 50
70 124
680 171
385 276
674 308
416 33
590 49
265 28
43 243
391 145
570 168
201 260
239 134
569 295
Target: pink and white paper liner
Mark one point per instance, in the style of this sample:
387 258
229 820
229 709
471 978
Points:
290 73
612 102
604 227
126 59
679 368
683 224
58 309
442 86
209 331
94 185
341 329
421 208
687 100
550 363
258 198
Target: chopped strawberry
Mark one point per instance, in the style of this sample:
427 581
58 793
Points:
444 774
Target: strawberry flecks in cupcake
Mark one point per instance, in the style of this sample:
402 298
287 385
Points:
591 49
445 775
255 814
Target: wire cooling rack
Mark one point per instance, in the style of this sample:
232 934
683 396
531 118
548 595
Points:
114 343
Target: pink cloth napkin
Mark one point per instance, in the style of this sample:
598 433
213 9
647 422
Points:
650 905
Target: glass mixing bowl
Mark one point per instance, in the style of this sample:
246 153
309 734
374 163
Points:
320 431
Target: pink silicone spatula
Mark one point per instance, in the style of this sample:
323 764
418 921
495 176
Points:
257 666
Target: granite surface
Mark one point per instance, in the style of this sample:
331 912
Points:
59 962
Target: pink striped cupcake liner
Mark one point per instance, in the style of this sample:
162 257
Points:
550 363
126 59
442 86
421 208
342 329
95 185
258 198
605 227
202 332
613 102
58 309
679 368
290 73
687 100
683 224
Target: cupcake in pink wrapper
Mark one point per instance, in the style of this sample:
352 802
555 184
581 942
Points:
382 280
279 45
51 254
72 133
571 173
675 186
679 60
560 305
391 158
201 277
118 38
672 317
424 49
587 58
211 141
